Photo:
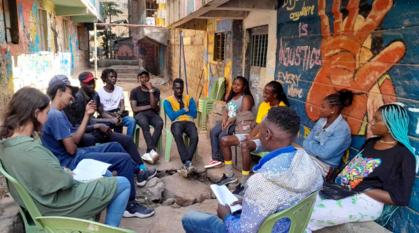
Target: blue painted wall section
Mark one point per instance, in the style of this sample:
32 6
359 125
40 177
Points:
317 56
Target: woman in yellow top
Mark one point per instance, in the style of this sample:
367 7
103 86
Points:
273 96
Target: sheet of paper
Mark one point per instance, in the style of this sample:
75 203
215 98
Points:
90 169
225 197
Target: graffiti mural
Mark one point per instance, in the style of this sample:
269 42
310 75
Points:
215 69
325 46
367 46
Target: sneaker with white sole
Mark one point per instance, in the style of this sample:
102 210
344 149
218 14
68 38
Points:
214 163
144 176
147 157
183 171
228 180
136 210
154 156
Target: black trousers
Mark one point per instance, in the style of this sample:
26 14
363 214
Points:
189 128
144 120
91 138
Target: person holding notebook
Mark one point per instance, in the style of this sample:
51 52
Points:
274 186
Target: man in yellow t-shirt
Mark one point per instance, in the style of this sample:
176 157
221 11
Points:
273 95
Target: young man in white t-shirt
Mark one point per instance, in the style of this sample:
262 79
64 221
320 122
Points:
112 99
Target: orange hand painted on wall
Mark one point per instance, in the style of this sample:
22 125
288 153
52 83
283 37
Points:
348 62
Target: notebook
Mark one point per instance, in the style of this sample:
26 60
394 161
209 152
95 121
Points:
89 169
225 197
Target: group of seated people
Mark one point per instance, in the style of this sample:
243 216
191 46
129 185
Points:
381 174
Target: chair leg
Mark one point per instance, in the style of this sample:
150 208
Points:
160 144
199 120
137 136
168 146
204 118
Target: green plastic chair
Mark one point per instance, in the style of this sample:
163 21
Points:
30 211
260 154
169 139
137 133
299 216
205 104
63 224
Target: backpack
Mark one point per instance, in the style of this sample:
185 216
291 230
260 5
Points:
244 122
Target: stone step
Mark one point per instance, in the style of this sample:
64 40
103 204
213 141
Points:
185 191
125 69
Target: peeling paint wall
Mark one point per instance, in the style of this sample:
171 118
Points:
24 64
375 56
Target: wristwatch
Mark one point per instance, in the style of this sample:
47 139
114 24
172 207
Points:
151 90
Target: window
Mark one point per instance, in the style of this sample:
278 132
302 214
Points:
219 47
10 21
259 50
42 26
66 35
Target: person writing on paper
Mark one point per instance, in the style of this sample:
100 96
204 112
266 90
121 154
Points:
274 186
52 187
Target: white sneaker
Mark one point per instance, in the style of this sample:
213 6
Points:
154 155
147 157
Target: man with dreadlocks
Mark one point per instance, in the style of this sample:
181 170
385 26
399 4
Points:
382 173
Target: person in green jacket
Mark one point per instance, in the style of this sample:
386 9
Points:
52 187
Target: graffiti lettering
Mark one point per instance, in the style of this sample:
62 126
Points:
290 4
305 11
292 57
293 81
302 30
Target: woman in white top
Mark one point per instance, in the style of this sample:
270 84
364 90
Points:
112 99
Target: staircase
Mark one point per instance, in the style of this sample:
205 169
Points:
126 73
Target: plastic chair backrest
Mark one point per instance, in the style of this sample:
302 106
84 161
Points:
64 224
30 206
219 88
299 216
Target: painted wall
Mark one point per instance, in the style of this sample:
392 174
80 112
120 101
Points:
215 69
24 64
375 55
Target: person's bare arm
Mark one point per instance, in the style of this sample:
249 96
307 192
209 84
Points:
380 195
105 117
122 105
253 133
247 103
153 101
70 143
136 108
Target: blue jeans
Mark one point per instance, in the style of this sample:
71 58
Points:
128 122
118 203
199 222
216 134
112 153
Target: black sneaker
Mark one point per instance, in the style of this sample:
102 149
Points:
136 210
239 190
228 180
144 176
183 171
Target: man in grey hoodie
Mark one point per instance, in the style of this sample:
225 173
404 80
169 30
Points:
282 178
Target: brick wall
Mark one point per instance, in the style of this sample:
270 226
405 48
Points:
376 57
194 53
